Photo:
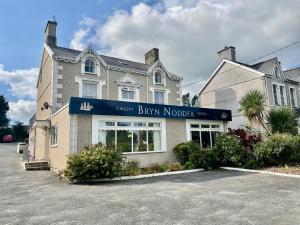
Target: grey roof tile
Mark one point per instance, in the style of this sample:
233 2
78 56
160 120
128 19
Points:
112 61
293 74
266 66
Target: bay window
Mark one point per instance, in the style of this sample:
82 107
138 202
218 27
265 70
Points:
204 134
130 136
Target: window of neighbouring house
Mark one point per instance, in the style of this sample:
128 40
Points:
53 136
159 97
282 95
89 89
158 77
279 94
204 134
89 66
131 136
275 97
293 97
276 73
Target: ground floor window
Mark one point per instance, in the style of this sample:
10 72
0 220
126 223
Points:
53 135
130 136
204 134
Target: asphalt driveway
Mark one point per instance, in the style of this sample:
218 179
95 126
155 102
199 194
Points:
212 197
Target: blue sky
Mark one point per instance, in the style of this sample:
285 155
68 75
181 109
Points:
188 33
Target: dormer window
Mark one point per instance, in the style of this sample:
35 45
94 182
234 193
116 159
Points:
89 66
158 78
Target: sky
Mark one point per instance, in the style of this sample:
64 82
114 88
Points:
188 33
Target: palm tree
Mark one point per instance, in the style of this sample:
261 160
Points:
283 120
252 105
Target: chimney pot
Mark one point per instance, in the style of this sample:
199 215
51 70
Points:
50 33
152 56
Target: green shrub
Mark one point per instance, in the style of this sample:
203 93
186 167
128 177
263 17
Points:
283 120
95 161
132 168
203 159
295 156
176 166
189 165
154 168
229 149
251 164
165 167
183 151
277 149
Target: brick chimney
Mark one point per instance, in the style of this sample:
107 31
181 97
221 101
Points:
227 53
152 56
50 33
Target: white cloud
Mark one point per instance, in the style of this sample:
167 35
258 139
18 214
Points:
22 82
189 33
80 37
22 110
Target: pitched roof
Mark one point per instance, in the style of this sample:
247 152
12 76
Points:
266 66
293 74
112 61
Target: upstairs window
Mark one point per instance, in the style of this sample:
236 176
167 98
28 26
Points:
128 93
276 73
293 97
159 97
89 66
89 89
158 78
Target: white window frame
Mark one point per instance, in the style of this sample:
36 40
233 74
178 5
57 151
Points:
53 136
203 122
101 118
136 93
295 97
278 94
163 80
164 96
93 83
95 65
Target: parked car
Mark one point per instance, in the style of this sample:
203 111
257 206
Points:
7 138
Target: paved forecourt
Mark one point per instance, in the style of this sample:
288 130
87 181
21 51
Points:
212 197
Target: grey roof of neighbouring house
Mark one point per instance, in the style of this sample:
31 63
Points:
112 61
293 74
266 66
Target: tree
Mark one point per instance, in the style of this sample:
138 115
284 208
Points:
252 105
186 101
4 107
19 131
282 120
194 100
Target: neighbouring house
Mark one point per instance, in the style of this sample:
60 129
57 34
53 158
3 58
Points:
232 80
86 98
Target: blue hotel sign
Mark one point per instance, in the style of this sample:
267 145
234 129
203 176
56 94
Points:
87 106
